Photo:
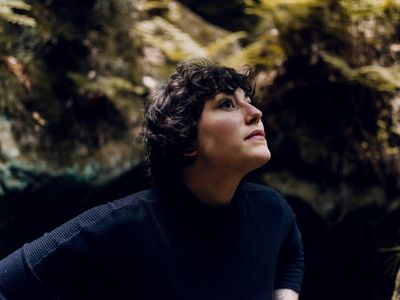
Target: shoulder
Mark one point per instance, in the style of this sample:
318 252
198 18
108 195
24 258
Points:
136 200
112 215
128 207
96 225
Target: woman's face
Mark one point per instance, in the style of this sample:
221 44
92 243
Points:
230 134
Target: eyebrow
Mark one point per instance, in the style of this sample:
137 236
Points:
220 95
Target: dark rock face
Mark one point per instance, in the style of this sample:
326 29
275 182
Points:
362 269
320 249
347 260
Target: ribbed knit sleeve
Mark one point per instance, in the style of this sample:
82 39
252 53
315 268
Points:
56 260
290 265
17 280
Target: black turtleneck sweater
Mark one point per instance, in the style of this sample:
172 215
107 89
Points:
164 244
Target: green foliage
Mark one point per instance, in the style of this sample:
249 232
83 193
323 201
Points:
7 12
350 49
283 11
265 51
360 30
180 35
376 77
173 41
365 9
110 86
154 4
220 46
84 100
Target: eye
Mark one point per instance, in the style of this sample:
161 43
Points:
250 99
227 103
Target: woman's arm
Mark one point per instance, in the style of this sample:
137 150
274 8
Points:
57 261
290 264
285 294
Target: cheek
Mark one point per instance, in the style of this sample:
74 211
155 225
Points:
218 132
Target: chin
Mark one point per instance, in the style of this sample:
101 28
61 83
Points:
261 159
265 158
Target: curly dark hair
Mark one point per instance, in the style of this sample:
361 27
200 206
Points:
171 118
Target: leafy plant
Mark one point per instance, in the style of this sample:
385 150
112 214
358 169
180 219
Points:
340 60
374 76
7 12
166 32
106 85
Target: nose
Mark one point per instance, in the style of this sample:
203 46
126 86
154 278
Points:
253 115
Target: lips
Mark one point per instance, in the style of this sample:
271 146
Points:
256 133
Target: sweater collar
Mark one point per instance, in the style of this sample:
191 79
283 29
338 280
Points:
185 204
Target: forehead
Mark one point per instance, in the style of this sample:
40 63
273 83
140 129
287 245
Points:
238 93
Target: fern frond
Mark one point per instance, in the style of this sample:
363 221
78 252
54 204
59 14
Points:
17 19
175 43
393 261
224 43
155 4
295 7
7 12
19 4
106 85
361 9
273 4
263 51
374 76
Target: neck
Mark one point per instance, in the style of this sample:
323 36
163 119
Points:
212 188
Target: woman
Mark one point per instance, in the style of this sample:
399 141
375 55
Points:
200 233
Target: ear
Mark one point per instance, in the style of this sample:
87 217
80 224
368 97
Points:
191 152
